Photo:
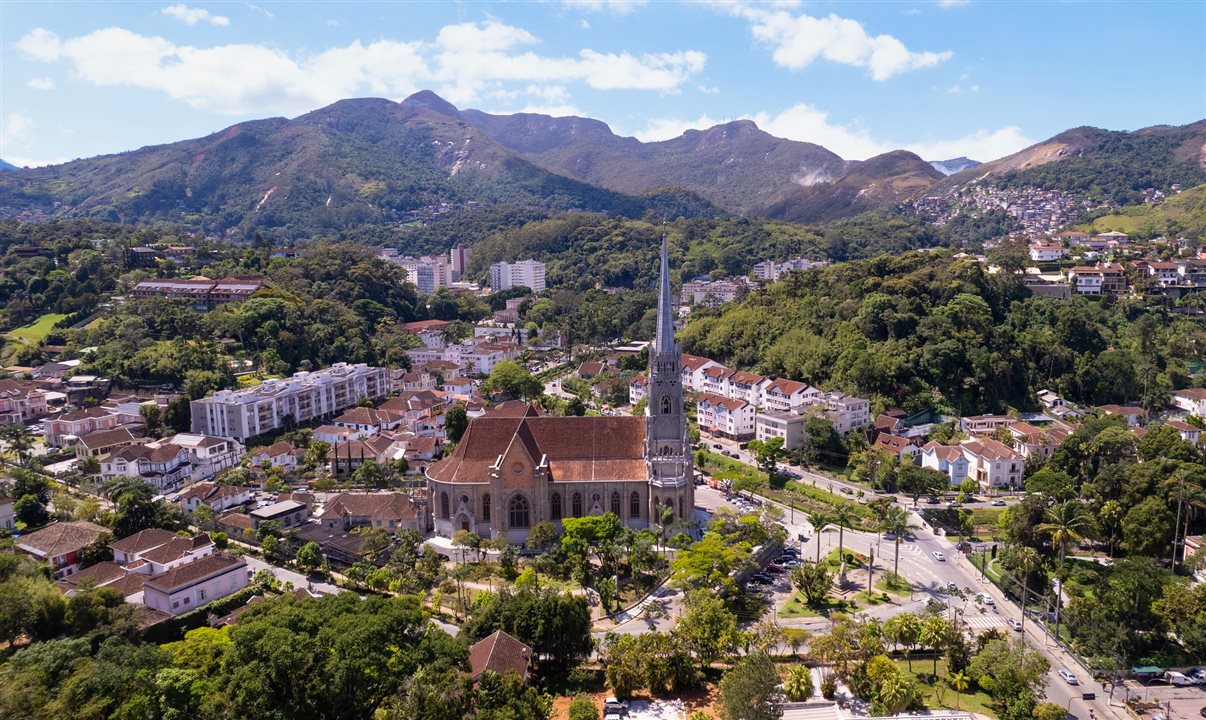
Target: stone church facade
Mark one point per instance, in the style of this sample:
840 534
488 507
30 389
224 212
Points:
515 467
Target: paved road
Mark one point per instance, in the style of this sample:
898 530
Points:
298 580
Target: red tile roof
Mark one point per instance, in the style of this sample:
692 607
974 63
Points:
500 653
184 575
61 538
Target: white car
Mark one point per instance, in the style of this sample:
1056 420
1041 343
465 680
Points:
939 556
985 599
1068 677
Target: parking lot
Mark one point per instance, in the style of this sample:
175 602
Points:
1177 703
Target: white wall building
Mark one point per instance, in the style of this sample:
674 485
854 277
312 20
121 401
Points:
189 586
725 417
242 414
1191 400
525 273
786 425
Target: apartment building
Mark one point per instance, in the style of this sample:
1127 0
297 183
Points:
304 397
846 412
202 292
777 424
525 273
725 417
1043 252
1098 279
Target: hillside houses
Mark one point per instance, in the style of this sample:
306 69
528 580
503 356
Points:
991 464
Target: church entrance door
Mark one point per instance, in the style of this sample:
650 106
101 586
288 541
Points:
465 525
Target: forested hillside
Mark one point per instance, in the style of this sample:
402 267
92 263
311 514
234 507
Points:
932 331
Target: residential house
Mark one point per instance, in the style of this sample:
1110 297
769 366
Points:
370 421
693 368
778 424
164 466
219 498
746 386
61 543
638 389
1187 432
947 459
902 447
725 417
332 434
345 457
289 513
132 547
715 380
392 511
1135 416
846 412
413 381
500 653
192 585
106 574
1191 400
1191 272
8 519
985 424
460 386
280 454
589 369
993 465
1045 252
787 396
101 443
21 401
1033 441
1103 278
208 455
64 429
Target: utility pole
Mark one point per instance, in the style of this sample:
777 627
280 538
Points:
870 573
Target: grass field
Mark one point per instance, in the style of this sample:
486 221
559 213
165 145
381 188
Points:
797 607
977 702
32 334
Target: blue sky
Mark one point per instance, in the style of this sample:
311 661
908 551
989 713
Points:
940 77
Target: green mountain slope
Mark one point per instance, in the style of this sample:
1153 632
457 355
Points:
1182 215
883 181
356 162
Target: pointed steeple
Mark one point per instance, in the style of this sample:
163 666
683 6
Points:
664 341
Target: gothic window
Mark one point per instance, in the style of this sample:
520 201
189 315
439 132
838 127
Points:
486 508
670 504
680 508
555 506
577 505
615 504
634 505
444 506
665 404
519 512
465 502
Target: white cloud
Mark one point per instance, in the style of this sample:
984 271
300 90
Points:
954 89
952 3
913 11
241 79
22 161
616 7
807 123
709 89
15 129
40 83
669 128
332 23
191 16
267 13
796 41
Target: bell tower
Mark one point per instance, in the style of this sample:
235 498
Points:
667 446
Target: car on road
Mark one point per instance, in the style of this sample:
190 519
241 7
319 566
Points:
954 504
1068 677
774 569
1202 712
939 556
717 446
932 500
998 503
952 586
614 710
846 491
1015 625
790 551
985 599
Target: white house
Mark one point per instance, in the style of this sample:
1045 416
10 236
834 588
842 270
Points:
1043 252
1191 400
725 417
189 586
638 389
947 459
218 497
787 395
693 370
993 465
1187 432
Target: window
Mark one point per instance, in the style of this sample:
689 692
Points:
577 505
680 508
486 508
200 595
615 504
555 506
519 511
665 404
444 506
634 505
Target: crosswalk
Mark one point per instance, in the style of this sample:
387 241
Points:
984 622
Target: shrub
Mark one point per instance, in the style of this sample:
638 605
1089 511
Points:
829 686
583 708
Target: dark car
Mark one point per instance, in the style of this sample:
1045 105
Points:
774 569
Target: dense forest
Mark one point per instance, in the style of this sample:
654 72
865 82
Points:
931 331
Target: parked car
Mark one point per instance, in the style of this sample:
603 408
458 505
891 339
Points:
1068 677
791 564
716 446
998 503
985 599
774 569
952 586
939 556
1179 679
790 551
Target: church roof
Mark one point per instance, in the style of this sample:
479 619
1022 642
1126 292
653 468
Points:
576 448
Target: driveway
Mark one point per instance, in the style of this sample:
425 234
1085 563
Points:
298 580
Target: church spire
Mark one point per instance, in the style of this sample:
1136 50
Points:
664 341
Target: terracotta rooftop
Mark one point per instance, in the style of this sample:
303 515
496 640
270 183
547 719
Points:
514 409
730 404
177 548
375 506
143 540
786 387
893 443
61 538
106 438
189 573
500 653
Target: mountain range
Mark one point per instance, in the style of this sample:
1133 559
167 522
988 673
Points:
363 162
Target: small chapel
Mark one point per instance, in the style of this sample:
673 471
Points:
517 467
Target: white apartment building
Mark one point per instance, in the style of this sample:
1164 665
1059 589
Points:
991 464
746 386
694 367
846 412
714 293
1042 252
189 586
725 417
525 273
771 270
946 459
1191 400
788 396
428 273
786 425
306 396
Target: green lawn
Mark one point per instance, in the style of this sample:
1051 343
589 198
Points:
796 607
894 584
977 701
853 559
35 332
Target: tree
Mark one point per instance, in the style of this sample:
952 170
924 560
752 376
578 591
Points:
30 511
270 545
136 509
896 522
750 690
915 481
818 520
933 634
151 417
583 708
813 580
768 454
959 682
542 536
309 556
798 685
707 629
456 421
845 517
369 474
1147 528
709 563
904 629
1067 523
512 381
16 437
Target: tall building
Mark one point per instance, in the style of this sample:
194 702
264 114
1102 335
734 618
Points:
459 257
515 467
525 273
273 404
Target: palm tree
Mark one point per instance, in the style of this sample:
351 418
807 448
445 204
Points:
903 630
1026 559
959 682
1190 490
798 685
818 520
665 516
1068 523
933 634
18 439
894 694
845 517
896 521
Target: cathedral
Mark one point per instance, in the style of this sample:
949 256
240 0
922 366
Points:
515 467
